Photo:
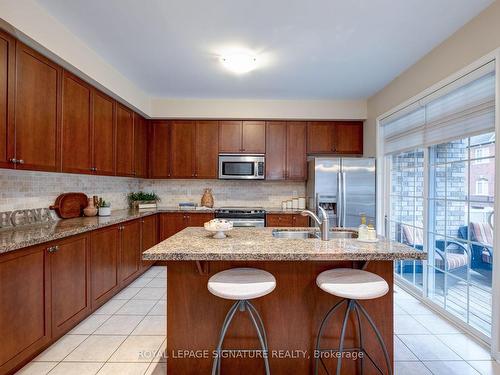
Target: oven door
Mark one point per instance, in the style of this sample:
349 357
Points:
242 223
237 167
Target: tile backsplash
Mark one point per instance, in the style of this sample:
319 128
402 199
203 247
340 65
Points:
26 189
226 193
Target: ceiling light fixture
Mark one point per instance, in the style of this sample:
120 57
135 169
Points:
239 62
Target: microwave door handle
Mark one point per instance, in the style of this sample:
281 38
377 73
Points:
256 169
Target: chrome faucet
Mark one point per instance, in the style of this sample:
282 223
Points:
323 223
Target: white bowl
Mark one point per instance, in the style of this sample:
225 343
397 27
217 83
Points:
218 227
218 233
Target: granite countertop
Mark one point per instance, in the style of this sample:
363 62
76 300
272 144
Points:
258 244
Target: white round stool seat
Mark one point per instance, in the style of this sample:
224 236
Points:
352 283
241 283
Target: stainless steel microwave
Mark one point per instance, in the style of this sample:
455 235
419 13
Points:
241 167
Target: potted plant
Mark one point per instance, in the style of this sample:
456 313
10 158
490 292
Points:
104 207
143 200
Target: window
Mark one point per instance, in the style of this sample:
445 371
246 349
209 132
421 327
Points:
480 153
482 186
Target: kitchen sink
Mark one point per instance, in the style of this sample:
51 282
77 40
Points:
314 234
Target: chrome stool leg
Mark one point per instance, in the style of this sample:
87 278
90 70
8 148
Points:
317 351
259 327
350 304
360 334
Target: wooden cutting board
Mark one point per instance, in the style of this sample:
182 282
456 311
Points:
69 205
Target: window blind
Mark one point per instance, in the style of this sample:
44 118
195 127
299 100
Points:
463 108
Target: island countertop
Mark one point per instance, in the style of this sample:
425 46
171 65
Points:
258 244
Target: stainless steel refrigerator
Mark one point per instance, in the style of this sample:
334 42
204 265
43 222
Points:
344 187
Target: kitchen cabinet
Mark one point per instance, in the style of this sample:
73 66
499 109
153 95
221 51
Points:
76 133
206 148
242 137
335 137
286 220
104 137
104 256
349 137
125 165
286 150
24 305
159 149
7 77
182 142
140 146
149 231
37 106
130 251
70 282
173 222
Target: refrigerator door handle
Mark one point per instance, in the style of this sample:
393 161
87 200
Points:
339 200
344 199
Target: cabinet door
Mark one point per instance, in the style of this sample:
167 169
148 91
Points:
276 134
103 123
198 219
76 134
141 146
182 139
300 221
124 141
207 148
69 269
159 150
37 103
104 246
320 136
149 236
296 159
7 77
230 133
24 305
171 223
254 137
130 250
349 137
279 220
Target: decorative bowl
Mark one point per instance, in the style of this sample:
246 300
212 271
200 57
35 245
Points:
218 227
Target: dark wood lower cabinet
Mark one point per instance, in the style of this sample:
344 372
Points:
286 220
70 275
104 247
46 290
173 222
24 306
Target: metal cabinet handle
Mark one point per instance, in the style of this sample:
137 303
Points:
13 160
53 249
20 161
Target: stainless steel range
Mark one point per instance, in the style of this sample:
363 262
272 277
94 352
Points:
243 216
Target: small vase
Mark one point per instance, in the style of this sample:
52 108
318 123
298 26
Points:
207 200
90 210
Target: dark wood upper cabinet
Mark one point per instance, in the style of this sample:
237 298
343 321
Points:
286 150
296 144
141 146
182 135
103 124
276 134
230 133
253 138
130 250
159 149
76 133
349 137
321 137
125 165
7 77
24 305
206 149
70 283
104 257
37 106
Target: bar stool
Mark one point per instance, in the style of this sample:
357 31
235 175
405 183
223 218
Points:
242 285
351 285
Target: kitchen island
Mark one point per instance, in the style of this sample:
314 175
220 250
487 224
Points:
291 313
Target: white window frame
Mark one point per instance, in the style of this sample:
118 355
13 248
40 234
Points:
482 184
383 191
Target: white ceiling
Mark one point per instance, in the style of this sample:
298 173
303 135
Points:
310 49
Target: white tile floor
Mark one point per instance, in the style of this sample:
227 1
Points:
110 341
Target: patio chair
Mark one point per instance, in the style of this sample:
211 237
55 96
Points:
482 247
451 255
